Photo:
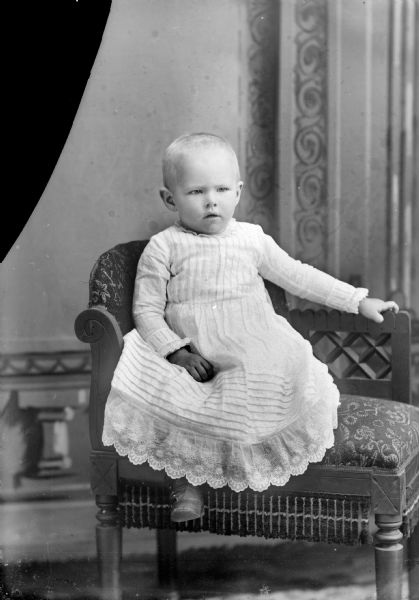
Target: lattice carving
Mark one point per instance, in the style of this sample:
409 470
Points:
353 354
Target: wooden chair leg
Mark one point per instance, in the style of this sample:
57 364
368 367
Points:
109 547
166 557
413 564
388 557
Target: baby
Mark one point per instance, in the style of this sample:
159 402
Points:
212 385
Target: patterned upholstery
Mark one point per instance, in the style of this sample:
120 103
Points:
112 281
373 432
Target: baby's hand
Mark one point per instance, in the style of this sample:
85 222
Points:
373 307
195 364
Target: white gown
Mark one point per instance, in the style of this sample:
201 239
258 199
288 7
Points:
271 407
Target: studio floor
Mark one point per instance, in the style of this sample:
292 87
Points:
48 552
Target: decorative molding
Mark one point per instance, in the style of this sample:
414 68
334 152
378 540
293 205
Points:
262 93
45 363
45 370
35 344
310 145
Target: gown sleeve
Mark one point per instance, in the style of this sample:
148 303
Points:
150 298
306 281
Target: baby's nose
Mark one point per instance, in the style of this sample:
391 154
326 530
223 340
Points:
211 198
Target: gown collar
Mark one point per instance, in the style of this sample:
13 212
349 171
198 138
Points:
227 231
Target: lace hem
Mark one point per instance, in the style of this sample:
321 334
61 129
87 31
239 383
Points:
182 453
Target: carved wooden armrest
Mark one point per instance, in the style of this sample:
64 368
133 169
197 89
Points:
100 329
376 356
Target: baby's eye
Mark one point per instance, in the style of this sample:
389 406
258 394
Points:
194 192
223 188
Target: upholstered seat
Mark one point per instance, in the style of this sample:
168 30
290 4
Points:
374 433
372 469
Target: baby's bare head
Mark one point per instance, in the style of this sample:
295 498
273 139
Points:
186 145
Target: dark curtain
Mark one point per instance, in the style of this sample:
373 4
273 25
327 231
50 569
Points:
51 48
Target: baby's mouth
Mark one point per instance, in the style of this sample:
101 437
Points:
211 216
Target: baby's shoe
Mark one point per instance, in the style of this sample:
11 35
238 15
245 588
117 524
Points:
187 501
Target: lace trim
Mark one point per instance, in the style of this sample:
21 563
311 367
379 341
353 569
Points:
359 294
200 459
175 345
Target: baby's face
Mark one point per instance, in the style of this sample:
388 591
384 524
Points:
206 191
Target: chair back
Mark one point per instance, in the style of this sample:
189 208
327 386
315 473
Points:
112 281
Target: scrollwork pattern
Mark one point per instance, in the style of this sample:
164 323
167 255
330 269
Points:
311 130
260 151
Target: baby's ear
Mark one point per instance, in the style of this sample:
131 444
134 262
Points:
167 197
239 188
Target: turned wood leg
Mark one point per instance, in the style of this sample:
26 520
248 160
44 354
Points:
166 557
413 564
109 547
388 557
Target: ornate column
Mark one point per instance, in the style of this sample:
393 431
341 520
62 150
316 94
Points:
303 128
402 150
310 147
261 157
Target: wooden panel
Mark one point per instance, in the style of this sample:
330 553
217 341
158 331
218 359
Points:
388 493
142 473
99 328
364 387
327 480
104 473
401 379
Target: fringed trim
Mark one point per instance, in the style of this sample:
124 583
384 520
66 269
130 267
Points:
316 519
